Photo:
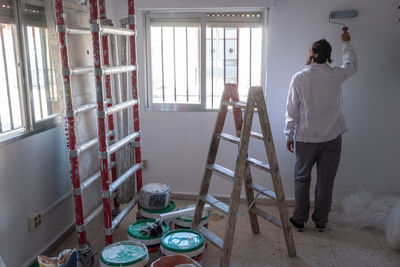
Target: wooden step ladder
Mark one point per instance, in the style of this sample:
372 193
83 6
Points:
255 100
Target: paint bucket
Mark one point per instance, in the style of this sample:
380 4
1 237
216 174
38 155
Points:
152 243
154 214
185 222
183 241
124 253
175 260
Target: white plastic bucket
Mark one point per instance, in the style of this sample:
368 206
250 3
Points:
183 241
124 253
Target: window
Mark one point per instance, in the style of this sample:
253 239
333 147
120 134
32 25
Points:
227 46
28 96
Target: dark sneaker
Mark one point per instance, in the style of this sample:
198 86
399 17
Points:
299 227
320 227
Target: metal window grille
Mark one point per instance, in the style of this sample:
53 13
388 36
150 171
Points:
175 64
233 56
227 46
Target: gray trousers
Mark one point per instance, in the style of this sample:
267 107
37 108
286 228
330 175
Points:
327 157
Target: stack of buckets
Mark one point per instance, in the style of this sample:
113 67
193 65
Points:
142 248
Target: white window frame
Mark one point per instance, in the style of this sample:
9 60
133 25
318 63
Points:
29 125
204 21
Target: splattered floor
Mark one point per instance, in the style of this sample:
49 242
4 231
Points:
339 245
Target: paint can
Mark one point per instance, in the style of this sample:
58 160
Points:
124 253
183 241
152 243
185 222
154 214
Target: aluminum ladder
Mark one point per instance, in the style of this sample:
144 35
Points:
242 172
101 30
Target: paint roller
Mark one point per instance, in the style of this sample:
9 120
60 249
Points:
342 14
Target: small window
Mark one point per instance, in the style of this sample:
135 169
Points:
28 95
227 46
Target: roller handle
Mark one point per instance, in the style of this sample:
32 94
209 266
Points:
345 29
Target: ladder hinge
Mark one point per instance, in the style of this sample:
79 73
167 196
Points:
108 231
73 153
61 28
103 155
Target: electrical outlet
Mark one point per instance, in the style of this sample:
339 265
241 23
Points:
144 162
34 221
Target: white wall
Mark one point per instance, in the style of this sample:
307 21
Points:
33 175
176 143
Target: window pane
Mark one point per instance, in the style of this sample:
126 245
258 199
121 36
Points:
10 109
233 56
41 71
175 64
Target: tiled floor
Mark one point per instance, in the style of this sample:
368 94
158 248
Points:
339 245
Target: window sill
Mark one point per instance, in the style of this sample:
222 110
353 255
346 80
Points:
41 126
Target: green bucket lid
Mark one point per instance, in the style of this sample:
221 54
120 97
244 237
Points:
135 229
123 253
171 206
182 240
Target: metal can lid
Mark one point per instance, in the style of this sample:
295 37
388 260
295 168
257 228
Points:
182 240
135 230
171 206
124 253
189 218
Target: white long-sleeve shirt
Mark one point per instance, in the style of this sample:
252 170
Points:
314 104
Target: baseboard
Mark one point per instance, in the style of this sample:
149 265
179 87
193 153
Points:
225 198
56 242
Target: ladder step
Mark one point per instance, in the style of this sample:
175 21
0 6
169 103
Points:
92 142
121 106
216 240
216 203
256 135
84 108
235 104
88 107
229 138
259 164
116 30
274 220
221 171
85 146
79 31
114 186
116 146
263 190
93 214
117 220
91 179
118 69
81 70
